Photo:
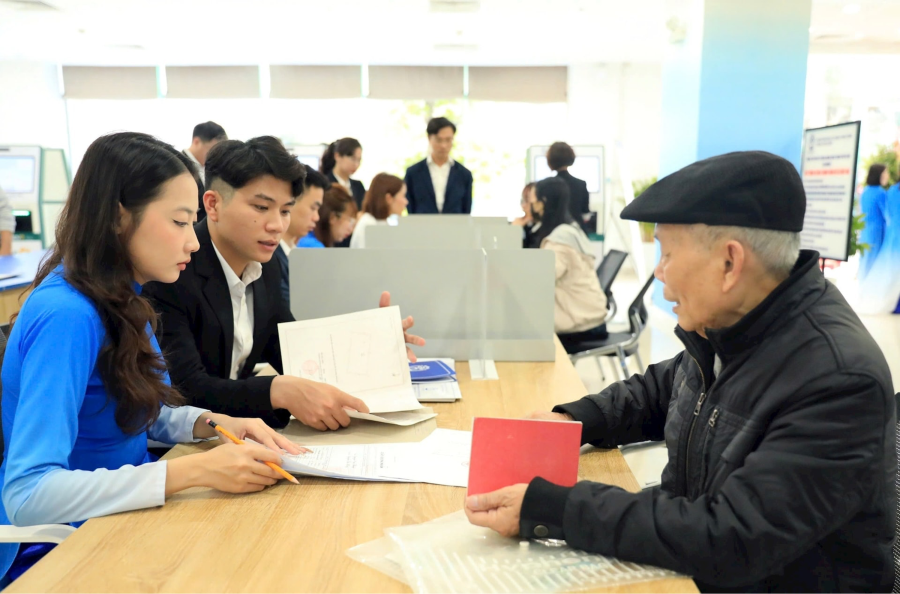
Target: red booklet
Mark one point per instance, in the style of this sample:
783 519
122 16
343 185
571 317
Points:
510 451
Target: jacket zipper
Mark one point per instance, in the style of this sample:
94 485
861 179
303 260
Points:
712 419
687 450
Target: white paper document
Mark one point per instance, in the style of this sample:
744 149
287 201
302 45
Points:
437 392
363 354
442 458
446 390
403 418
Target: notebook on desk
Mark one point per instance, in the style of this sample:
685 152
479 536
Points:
511 451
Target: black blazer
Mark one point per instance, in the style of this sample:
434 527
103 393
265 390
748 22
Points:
283 263
196 335
579 199
357 189
420 190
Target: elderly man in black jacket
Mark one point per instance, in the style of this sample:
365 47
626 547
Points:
779 416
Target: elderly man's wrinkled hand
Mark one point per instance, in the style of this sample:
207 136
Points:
499 511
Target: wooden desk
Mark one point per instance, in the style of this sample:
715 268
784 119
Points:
293 539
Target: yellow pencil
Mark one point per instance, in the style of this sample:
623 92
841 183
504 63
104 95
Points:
271 465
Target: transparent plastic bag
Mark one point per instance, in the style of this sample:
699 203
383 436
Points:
451 555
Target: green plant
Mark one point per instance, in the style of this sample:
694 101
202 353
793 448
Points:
856 227
647 229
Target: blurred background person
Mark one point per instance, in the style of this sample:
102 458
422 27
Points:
386 198
205 136
337 217
561 156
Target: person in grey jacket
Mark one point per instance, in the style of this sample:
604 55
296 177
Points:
7 224
779 416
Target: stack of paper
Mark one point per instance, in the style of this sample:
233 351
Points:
363 354
434 380
442 458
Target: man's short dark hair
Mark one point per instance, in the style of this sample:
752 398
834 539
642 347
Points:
238 163
208 131
560 155
314 179
435 125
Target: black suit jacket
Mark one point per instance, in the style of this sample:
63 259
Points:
420 190
357 189
197 335
579 198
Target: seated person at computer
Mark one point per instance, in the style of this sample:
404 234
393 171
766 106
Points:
385 199
304 216
221 317
7 224
580 310
84 383
339 162
438 184
561 156
779 417
337 218
205 136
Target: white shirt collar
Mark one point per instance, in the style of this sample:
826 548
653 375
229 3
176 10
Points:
286 247
191 156
341 180
449 162
251 273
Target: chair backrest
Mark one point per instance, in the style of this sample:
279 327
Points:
609 269
637 311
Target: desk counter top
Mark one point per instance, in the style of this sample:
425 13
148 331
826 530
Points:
290 538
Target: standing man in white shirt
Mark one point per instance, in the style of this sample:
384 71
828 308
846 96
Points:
206 136
438 184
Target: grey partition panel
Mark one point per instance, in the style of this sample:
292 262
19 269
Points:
451 219
492 237
442 290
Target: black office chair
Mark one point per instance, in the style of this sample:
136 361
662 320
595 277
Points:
618 344
607 272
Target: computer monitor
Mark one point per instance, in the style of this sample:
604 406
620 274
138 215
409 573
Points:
17 174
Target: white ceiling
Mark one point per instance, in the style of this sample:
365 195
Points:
498 32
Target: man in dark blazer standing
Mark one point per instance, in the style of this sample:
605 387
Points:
221 317
206 136
438 184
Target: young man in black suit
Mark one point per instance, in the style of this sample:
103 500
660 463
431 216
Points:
221 317
438 184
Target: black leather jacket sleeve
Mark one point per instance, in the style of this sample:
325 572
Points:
627 412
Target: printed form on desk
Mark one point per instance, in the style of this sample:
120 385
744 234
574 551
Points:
442 458
363 354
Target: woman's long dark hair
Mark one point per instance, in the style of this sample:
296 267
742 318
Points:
875 171
336 201
130 169
344 147
553 193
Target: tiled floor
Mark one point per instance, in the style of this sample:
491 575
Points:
659 341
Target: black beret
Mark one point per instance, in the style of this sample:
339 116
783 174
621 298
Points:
751 189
